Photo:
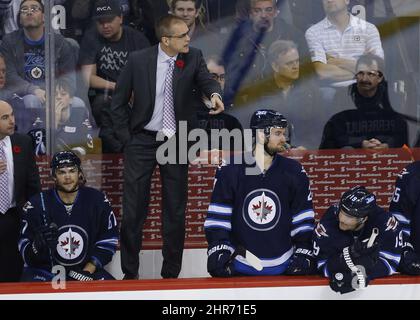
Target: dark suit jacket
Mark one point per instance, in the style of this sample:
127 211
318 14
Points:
26 173
139 75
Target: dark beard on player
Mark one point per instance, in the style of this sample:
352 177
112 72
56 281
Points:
271 151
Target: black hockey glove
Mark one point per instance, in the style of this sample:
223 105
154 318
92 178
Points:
364 256
80 275
302 262
410 261
45 237
347 281
350 269
219 262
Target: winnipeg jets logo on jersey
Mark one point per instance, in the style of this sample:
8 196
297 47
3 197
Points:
72 245
262 209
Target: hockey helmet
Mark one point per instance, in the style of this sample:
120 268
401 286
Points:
357 202
267 119
65 159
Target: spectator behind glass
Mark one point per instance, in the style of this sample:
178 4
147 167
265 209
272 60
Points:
222 120
72 127
335 44
104 52
373 124
245 54
24 52
286 91
2 75
201 37
8 15
145 13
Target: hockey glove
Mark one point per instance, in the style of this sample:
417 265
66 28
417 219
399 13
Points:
302 262
347 281
349 270
80 275
219 262
410 261
364 256
45 237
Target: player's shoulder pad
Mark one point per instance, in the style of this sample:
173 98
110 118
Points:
330 215
33 202
27 206
412 170
93 194
320 230
230 165
290 165
387 221
384 220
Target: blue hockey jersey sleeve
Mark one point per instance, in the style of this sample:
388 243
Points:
404 204
391 240
323 241
107 239
329 242
32 219
302 210
218 225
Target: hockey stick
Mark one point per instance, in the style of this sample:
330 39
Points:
251 258
361 281
47 224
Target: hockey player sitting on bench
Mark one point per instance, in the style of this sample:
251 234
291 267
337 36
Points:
260 218
70 225
357 241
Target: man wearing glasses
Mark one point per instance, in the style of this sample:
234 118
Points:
220 121
24 52
246 53
161 79
336 42
288 92
373 124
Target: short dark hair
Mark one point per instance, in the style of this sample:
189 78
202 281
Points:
370 59
66 86
164 24
39 2
196 3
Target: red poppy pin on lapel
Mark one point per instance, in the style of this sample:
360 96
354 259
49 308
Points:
180 63
17 149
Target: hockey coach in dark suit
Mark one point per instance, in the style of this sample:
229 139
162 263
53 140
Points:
160 82
19 180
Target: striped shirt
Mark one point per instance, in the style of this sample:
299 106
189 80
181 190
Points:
358 38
